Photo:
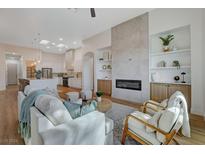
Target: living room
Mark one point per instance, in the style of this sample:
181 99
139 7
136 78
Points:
104 76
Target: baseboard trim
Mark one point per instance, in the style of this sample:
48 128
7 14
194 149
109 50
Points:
197 120
126 102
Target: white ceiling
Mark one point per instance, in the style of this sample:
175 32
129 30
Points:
21 26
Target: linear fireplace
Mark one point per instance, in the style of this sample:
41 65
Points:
129 84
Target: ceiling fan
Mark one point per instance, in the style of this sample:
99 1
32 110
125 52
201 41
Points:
92 12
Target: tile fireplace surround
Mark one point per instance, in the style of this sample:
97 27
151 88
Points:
130 59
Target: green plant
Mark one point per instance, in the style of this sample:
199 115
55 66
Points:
166 40
38 71
99 93
176 64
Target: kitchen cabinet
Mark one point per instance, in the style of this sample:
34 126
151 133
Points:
105 86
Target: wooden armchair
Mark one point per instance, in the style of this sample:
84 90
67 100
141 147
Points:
152 105
136 123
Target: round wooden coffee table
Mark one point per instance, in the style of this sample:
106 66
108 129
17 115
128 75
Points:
104 105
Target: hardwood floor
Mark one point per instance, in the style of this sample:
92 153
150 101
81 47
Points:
9 122
9 117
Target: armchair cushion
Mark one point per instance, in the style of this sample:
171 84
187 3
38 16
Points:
167 121
164 103
139 128
53 109
154 121
134 124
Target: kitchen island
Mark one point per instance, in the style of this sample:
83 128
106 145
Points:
38 83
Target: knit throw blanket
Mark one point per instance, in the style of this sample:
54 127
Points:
25 119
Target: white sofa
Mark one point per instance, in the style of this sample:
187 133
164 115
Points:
83 130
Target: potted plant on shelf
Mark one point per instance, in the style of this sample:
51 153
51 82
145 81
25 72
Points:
38 74
166 40
176 64
99 94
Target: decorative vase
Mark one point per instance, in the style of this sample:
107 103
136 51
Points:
166 48
99 99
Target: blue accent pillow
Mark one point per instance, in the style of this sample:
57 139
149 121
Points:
77 110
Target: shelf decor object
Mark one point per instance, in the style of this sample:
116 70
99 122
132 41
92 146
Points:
176 63
161 64
166 40
176 78
183 73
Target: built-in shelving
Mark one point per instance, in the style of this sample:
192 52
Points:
170 52
105 61
161 64
104 64
104 70
164 68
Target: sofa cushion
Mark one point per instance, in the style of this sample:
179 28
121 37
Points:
77 110
53 109
109 125
28 90
167 121
73 109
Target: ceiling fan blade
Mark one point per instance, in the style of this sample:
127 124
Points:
92 12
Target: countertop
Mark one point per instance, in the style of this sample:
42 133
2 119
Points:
173 83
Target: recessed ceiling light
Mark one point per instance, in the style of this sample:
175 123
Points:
53 43
48 47
44 42
74 42
61 39
60 45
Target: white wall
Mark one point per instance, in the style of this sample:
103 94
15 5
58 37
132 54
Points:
54 61
27 54
88 71
94 43
166 19
203 60
78 60
2 70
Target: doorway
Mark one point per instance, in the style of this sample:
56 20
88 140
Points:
88 71
11 73
12 69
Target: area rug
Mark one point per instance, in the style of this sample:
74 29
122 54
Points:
118 113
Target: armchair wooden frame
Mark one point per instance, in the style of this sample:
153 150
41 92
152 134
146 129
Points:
126 132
